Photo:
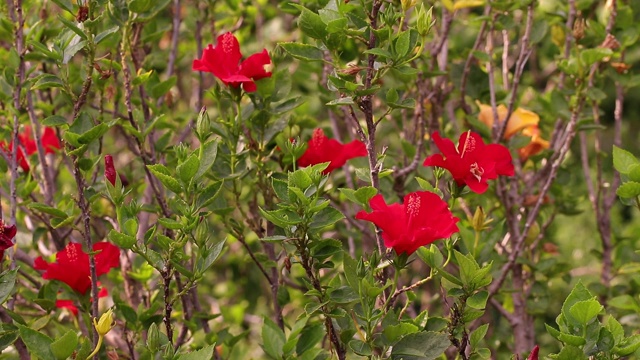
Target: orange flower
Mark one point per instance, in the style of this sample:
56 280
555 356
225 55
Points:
536 145
519 119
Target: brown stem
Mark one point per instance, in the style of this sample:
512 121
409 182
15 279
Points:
168 307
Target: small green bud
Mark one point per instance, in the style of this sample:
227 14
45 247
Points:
425 21
153 338
203 124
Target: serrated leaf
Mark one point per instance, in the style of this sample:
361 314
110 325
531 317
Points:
478 334
202 354
592 56
208 154
188 169
7 283
47 81
360 347
303 51
425 345
162 173
37 343
48 210
629 189
93 134
54 120
103 35
162 88
585 311
623 161
65 345
311 23
273 339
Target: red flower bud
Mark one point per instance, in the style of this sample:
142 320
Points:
109 169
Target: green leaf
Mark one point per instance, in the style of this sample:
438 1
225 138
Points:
188 169
360 347
585 311
425 345
592 56
300 179
48 210
66 5
7 283
478 300
572 339
478 334
623 161
73 27
103 35
326 217
343 295
47 81
54 120
273 339
402 43
207 157
123 241
202 354
65 345
634 173
162 173
309 337
628 346
341 101
571 353
393 333
37 343
140 6
629 189
93 134
311 23
162 88
579 293
302 51
468 267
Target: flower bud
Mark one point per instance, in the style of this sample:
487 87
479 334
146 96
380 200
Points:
407 4
203 124
478 219
578 29
153 338
105 324
109 169
425 21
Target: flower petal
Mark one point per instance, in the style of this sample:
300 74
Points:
254 66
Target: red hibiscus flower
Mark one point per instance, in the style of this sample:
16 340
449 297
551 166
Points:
472 163
322 149
7 233
223 61
49 139
72 265
422 219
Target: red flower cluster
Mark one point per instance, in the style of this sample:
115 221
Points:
223 61
422 219
472 163
322 149
72 265
49 140
7 233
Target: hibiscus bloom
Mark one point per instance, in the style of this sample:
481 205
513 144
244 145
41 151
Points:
520 120
49 140
322 149
223 61
472 163
72 265
422 219
7 233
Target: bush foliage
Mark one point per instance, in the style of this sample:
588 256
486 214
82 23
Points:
321 179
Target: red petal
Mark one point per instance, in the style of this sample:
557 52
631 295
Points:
107 258
40 264
109 169
253 66
50 140
534 353
221 60
502 158
446 146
